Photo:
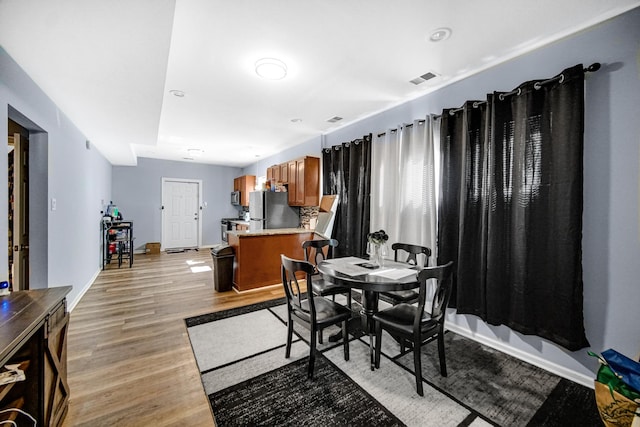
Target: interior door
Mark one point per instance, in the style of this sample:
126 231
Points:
180 201
20 206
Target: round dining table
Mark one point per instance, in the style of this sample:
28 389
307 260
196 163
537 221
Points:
344 272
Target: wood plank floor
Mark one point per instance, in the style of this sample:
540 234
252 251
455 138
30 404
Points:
129 357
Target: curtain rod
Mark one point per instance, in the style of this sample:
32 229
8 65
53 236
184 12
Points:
537 85
408 125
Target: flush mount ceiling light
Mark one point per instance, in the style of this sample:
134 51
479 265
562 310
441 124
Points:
440 34
271 69
178 93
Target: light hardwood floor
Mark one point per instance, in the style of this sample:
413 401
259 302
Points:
129 358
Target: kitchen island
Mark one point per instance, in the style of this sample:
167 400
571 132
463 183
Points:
257 254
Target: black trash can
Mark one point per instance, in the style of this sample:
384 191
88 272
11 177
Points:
222 267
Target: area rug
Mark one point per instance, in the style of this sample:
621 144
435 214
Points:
240 354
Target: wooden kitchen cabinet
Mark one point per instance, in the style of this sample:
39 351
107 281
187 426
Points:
284 173
273 173
304 181
245 184
291 188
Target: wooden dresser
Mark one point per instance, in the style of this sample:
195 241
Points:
33 333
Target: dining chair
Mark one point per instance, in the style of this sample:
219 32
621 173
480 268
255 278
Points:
315 312
412 323
316 251
407 296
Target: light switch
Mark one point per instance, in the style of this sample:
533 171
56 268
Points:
53 204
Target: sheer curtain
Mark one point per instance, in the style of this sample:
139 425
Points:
403 183
511 207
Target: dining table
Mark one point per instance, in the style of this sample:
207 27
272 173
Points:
359 273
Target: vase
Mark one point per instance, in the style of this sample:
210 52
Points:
377 252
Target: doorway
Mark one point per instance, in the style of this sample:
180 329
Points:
181 225
18 206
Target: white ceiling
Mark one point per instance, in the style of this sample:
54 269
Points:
109 65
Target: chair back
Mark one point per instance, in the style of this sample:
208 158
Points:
292 290
413 251
314 250
443 274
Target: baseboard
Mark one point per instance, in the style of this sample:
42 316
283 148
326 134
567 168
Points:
71 305
554 368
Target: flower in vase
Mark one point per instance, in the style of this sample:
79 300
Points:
378 237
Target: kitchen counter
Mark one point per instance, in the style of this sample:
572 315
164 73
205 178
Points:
240 222
270 232
257 254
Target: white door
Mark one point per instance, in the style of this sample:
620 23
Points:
181 218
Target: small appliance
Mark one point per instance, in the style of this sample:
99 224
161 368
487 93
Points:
235 198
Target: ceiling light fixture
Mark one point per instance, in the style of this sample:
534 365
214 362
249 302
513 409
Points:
440 34
178 93
271 69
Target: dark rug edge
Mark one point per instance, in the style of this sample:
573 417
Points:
223 314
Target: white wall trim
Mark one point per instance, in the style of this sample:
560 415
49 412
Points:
554 368
85 288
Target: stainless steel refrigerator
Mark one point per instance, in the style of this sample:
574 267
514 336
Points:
269 209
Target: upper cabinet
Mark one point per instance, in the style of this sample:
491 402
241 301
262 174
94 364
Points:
304 181
245 184
273 173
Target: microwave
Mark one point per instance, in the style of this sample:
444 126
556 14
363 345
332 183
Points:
235 198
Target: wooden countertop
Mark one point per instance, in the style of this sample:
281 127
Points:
269 232
22 312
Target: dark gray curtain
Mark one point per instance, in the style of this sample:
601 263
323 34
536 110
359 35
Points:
511 208
347 172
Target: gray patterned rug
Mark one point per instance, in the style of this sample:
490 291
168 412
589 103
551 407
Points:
240 354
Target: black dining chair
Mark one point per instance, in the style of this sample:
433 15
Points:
412 323
407 296
313 311
316 251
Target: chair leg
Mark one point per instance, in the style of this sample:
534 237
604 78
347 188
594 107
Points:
443 362
378 344
345 340
287 352
417 365
312 354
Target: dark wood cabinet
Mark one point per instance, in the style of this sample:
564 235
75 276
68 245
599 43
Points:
245 184
34 335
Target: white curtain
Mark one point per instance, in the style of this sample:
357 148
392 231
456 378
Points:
403 186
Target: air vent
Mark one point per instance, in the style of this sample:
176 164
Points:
423 78
334 119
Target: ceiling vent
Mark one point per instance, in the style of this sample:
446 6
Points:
423 78
334 119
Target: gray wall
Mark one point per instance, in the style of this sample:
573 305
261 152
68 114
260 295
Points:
137 191
65 243
313 147
611 230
